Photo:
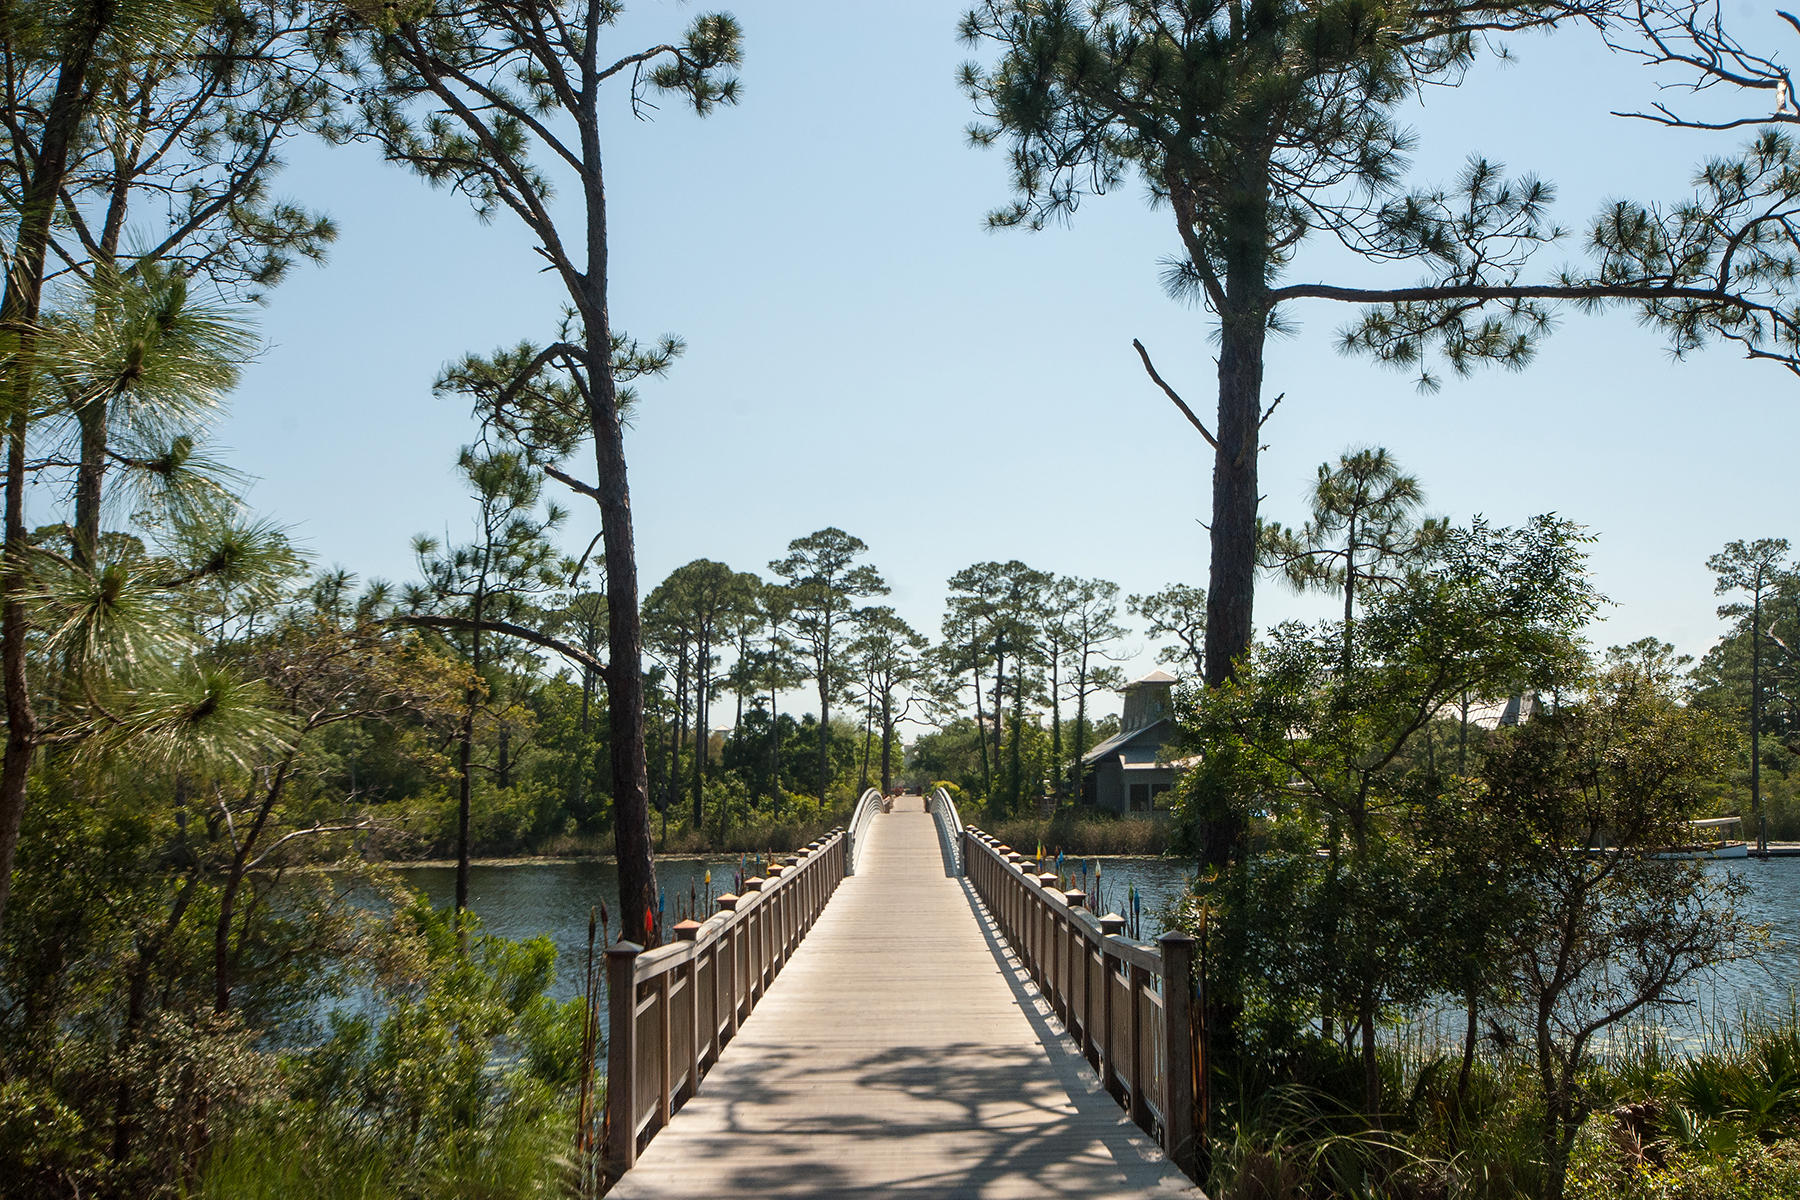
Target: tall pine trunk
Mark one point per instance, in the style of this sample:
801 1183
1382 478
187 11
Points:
775 748
19 310
825 717
999 696
1232 583
981 740
672 785
702 698
1081 695
887 742
1058 774
862 783
465 761
1015 769
93 418
1232 580
1756 698
624 668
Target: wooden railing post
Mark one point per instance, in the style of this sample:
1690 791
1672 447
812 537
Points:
665 1067
1046 951
1138 982
621 1056
1111 925
1178 1050
1077 1018
733 938
757 956
688 931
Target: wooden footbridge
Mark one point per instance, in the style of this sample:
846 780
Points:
905 1008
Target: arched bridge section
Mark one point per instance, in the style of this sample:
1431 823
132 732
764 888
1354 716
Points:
901 1050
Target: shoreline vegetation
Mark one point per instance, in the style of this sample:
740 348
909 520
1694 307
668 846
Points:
1719 1121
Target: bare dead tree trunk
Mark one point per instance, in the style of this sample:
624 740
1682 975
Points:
234 881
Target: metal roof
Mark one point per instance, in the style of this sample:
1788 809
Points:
1119 740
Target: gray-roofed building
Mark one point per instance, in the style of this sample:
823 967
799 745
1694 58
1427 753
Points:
1128 772
1494 714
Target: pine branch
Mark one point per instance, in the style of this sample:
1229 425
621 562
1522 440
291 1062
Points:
487 625
1179 402
1482 293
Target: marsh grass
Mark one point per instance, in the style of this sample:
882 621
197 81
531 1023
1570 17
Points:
1082 832
309 1156
1717 1119
296 1159
747 837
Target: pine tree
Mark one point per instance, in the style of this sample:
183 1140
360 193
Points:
1258 126
1755 568
1361 533
1088 618
480 588
890 664
823 581
489 100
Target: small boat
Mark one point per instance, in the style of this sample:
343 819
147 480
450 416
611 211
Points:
1707 841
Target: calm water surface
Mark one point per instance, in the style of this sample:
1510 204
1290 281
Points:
553 899
526 900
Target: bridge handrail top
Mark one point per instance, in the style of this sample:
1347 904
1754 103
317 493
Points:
651 963
867 805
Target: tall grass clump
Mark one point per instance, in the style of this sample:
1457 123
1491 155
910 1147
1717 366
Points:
1083 832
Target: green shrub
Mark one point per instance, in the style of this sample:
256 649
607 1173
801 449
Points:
456 1081
1752 1170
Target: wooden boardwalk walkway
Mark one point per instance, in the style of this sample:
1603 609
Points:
860 1074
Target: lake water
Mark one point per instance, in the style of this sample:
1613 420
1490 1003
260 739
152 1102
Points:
525 900
553 899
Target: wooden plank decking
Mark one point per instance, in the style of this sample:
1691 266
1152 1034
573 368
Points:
901 1052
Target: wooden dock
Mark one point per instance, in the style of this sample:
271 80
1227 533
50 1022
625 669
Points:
901 1052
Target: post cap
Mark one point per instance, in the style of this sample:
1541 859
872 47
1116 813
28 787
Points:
1046 881
729 902
1112 924
623 949
1072 898
754 885
687 931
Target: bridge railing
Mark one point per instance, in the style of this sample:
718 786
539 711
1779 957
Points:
674 1008
1127 1004
949 827
870 803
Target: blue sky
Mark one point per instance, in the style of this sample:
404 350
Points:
864 353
